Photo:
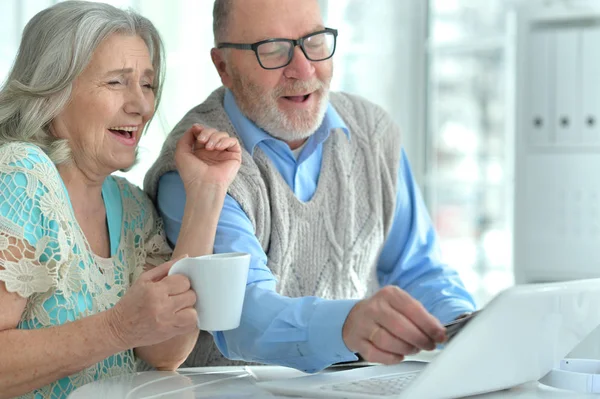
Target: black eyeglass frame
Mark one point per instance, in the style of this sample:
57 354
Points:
294 43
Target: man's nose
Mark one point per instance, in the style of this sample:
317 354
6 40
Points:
300 67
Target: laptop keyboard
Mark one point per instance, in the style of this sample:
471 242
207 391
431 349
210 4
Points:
383 386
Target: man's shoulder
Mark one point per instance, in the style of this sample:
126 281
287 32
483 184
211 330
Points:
357 110
213 102
349 100
210 112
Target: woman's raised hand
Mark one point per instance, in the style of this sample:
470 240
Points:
207 156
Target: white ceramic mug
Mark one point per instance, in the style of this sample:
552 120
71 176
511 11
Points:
219 282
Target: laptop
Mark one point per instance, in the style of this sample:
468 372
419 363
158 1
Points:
517 338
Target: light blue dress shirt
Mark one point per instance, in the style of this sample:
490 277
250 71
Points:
306 333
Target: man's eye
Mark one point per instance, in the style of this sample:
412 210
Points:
315 42
276 52
273 49
114 82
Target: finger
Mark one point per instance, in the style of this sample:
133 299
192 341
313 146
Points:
157 273
236 148
187 141
403 328
176 284
184 300
226 143
403 303
161 271
214 139
386 342
373 354
207 134
186 319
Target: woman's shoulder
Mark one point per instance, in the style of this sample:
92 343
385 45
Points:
32 195
22 153
27 165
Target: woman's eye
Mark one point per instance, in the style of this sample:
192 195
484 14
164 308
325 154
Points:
114 82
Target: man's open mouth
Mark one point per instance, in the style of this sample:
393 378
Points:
298 99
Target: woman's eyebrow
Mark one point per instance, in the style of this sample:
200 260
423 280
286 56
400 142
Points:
124 71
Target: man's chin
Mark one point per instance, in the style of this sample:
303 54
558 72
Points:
288 124
296 128
292 136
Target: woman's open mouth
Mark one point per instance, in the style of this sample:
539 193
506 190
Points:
124 134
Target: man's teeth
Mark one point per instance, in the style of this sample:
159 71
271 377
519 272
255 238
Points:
125 128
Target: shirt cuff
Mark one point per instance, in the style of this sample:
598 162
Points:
325 331
455 309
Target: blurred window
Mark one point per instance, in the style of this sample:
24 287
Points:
468 181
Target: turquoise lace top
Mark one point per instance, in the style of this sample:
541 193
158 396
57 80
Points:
58 273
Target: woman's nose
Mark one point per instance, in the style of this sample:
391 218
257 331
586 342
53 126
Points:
138 102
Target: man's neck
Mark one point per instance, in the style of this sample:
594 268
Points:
296 144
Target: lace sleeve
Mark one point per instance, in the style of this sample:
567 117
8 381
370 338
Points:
156 250
33 214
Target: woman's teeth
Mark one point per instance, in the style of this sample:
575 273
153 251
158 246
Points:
124 130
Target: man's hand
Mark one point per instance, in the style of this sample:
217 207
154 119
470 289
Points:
390 325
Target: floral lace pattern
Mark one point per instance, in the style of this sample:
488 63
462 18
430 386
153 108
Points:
47 259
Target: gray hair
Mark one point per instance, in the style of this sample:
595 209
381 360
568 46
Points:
56 46
221 15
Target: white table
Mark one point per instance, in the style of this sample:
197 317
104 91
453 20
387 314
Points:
239 382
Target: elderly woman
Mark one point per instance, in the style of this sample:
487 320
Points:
83 287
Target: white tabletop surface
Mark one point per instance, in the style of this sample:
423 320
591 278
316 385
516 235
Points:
239 382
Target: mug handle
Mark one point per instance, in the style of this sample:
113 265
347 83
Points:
178 267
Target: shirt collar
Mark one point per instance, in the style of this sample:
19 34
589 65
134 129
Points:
251 135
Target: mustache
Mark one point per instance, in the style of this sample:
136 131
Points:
299 87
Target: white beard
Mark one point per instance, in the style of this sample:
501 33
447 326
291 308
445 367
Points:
263 110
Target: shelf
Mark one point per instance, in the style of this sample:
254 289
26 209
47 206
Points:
565 15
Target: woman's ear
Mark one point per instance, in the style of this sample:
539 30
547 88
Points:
50 129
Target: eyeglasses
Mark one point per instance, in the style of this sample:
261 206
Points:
278 53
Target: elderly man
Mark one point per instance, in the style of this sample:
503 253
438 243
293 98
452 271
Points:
345 260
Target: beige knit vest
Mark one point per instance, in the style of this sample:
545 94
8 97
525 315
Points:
328 246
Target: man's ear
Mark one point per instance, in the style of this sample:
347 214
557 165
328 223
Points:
218 60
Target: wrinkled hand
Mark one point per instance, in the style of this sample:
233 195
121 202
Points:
390 325
156 308
205 155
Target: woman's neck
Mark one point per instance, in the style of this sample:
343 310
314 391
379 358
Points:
85 189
